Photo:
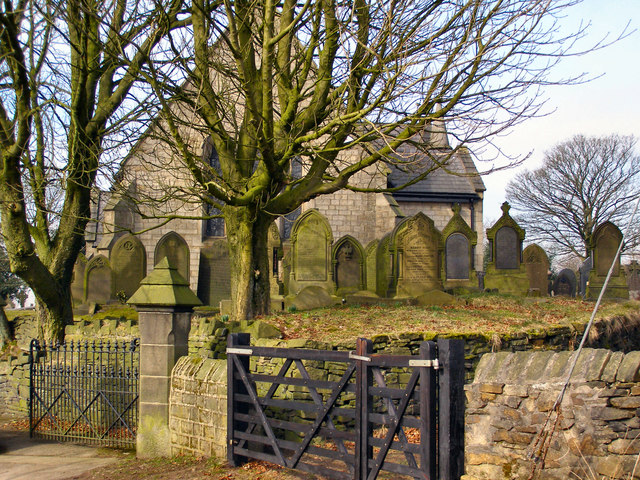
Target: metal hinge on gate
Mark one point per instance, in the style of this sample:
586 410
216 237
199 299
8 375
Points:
239 351
353 356
425 363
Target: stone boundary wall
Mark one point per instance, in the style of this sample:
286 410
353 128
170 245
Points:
510 400
14 384
198 407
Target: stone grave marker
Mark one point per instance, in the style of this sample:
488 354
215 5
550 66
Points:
78 281
565 283
417 246
607 238
129 265
457 260
173 247
633 279
536 263
98 280
311 240
505 270
274 249
349 265
384 267
459 249
585 271
370 255
214 277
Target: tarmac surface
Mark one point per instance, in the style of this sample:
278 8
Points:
23 458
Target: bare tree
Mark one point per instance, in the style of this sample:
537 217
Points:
268 85
68 70
582 183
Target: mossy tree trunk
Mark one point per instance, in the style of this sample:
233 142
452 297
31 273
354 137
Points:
247 233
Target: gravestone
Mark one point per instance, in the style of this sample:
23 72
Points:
214 273
175 249
274 249
417 247
370 255
78 281
507 248
311 240
565 283
585 271
633 279
607 238
129 265
98 280
384 268
349 265
505 270
459 248
286 266
536 264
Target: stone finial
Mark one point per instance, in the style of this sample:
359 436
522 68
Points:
164 287
505 208
456 208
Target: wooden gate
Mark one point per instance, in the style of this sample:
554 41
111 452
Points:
345 414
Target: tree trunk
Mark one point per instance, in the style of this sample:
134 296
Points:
53 318
5 331
247 236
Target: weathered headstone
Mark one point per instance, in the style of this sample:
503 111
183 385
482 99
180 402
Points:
585 271
274 249
633 279
77 282
129 265
505 270
536 264
417 246
175 249
214 277
565 283
349 265
457 260
370 255
98 280
311 240
607 238
384 267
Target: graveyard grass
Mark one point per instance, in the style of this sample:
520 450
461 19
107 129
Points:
485 314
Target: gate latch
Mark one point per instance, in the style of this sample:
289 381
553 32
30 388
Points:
239 351
425 363
353 356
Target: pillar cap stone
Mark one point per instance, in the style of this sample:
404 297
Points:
164 287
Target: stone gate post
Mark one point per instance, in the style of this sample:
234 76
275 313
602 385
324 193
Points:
164 303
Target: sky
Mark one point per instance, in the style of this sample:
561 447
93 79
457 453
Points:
608 104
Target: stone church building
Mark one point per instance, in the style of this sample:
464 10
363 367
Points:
115 260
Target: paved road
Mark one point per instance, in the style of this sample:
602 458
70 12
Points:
24 459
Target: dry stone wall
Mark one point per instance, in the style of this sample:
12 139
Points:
512 395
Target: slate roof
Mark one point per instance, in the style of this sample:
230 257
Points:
456 179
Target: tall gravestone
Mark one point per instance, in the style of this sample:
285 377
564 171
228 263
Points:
585 271
311 240
416 246
348 265
98 280
384 268
565 284
173 247
607 238
274 249
536 263
633 279
459 249
370 262
78 294
505 270
128 264
214 277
